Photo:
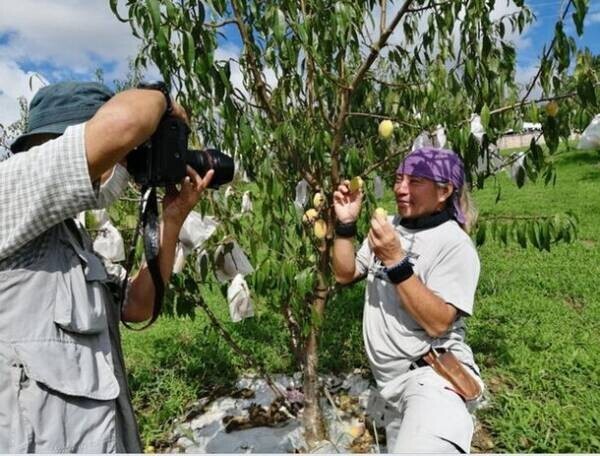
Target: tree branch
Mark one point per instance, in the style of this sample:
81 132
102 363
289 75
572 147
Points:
402 150
221 24
378 116
545 56
346 92
260 84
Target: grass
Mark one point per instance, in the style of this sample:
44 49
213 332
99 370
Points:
535 332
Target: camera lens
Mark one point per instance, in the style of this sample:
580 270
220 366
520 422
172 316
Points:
203 160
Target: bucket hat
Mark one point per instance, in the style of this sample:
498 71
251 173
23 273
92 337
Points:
58 106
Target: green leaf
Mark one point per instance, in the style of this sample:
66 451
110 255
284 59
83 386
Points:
279 25
581 8
189 51
114 8
154 10
485 116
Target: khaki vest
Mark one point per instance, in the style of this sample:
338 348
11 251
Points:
62 379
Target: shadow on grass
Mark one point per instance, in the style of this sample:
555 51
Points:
488 340
579 157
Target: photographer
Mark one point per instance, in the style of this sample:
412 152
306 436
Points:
63 384
422 270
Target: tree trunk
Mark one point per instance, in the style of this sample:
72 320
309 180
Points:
314 428
312 418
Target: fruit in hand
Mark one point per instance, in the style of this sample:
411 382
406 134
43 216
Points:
381 212
320 229
356 184
386 128
552 109
318 200
310 216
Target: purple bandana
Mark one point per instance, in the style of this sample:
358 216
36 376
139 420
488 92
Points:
438 165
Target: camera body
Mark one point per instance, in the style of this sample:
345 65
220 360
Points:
162 160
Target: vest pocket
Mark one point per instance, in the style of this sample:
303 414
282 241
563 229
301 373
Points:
80 297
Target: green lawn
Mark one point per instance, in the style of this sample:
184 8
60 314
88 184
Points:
535 332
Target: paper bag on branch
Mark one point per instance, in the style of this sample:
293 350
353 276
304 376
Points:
238 296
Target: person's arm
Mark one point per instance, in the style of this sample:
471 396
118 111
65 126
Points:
176 207
347 208
431 312
121 124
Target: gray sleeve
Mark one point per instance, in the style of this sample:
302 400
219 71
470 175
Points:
42 187
363 258
454 276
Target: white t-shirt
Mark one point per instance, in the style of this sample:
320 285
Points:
445 260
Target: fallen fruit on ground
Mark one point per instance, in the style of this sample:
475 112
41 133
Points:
386 128
320 229
355 184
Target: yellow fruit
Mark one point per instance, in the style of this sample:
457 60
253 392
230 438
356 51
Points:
386 128
310 216
552 109
381 212
356 184
149 449
318 200
320 229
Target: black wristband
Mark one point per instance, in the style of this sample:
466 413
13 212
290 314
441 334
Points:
345 230
399 272
161 87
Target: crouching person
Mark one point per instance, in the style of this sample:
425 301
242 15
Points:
63 385
422 271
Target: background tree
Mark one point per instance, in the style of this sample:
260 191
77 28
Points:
316 78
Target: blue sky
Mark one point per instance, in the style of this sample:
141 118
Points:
542 30
51 40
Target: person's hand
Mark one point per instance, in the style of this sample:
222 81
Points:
384 241
177 204
347 204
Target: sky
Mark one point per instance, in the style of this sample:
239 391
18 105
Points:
45 41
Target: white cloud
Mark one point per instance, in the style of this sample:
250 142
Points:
594 18
66 37
15 83
72 33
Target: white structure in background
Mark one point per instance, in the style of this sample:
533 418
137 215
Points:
590 138
238 297
532 126
301 194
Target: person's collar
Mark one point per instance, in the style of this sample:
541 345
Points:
427 221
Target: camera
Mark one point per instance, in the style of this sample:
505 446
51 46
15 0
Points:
162 159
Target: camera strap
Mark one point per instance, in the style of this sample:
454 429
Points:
151 236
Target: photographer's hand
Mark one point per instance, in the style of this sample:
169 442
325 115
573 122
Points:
177 204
